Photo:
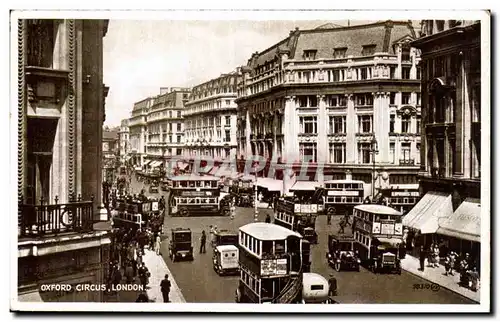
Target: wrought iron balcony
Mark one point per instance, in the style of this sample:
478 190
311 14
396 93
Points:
53 219
406 161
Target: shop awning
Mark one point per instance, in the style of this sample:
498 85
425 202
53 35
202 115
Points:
427 212
465 223
270 184
155 164
213 171
305 186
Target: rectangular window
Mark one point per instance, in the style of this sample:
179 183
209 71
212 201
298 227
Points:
368 50
336 75
419 99
227 137
170 127
179 151
364 73
405 54
170 114
417 153
178 139
392 71
419 124
170 139
308 152
392 152
405 123
405 151
302 101
405 98
365 123
405 74
337 124
392 98
308 124
309 54
339 52
364 99
392 122
364 152
439 63
228 120
337 152
179 127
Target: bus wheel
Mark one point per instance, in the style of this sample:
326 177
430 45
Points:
337 267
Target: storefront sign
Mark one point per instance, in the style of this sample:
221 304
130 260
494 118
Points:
405 194
193 193
343 193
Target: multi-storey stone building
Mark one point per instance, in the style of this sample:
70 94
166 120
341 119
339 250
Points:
138 131
110 153
165 126
329 97
450 168
124 140
60 116
210 118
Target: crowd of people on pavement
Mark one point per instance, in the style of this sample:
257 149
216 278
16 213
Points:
463 265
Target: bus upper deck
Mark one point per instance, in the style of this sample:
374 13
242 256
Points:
270 264
342 195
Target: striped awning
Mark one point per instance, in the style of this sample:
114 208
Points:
425 215
465 223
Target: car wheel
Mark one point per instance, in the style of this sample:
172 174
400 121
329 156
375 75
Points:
337 267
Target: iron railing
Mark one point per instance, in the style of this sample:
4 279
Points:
53 219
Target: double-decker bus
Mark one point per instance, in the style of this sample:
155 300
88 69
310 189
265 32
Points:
271 264
378 232
342 195
299 217
195 195
243 190
135 213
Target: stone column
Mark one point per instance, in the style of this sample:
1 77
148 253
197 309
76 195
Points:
248 130
351 125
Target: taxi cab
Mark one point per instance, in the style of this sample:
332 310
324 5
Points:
225 260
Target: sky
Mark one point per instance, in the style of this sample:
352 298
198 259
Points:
142 56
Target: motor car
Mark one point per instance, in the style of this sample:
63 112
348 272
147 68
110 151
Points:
341 254
180 245
225 260
385 259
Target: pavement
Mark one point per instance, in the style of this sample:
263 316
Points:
158 269
436 275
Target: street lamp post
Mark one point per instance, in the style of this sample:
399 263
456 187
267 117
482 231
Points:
374 151
256 210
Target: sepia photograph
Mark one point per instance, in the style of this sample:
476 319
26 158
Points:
211 161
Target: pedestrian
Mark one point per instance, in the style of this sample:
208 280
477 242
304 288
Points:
332 285
328 217
268 219
165 289
474 276
142 298
451 259
203 241
144 275
422 258
129 273
157 244
233 210
342 225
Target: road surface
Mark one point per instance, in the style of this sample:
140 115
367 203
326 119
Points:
200 284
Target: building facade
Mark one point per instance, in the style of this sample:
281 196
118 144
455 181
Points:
60 117
124 141
331 96
210 118
110 153
450 167
138 131
165 126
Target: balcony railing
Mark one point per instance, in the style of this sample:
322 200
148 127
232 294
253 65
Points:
406 161
438 172
53 219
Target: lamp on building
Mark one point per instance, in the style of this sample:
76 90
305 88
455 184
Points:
374 151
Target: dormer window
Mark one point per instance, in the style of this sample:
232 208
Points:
405 54
310 54
339 52
368 50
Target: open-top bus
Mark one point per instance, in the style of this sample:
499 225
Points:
378 231
342 195
297 217
270 259
195 195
